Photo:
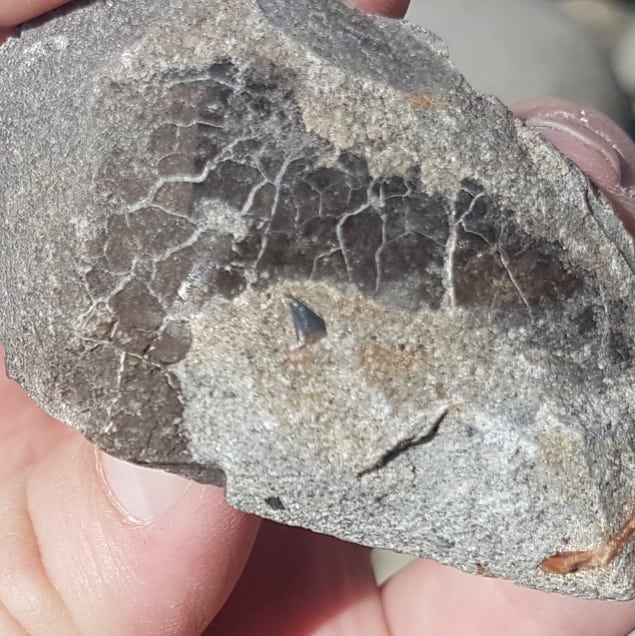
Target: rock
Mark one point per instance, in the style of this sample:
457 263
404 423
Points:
285 248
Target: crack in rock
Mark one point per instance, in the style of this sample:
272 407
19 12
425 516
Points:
405 445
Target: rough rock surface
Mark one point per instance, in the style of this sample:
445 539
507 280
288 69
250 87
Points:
174 172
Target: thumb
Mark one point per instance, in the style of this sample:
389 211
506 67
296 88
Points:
93 545
388 8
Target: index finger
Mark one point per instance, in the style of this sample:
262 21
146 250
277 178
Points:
13 12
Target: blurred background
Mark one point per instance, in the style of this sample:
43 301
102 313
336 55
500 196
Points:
581 50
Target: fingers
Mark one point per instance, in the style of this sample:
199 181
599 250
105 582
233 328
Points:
388 8
72 561
428 598
598 146
14 12
26 433
298 582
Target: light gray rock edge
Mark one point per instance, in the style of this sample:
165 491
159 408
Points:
172 171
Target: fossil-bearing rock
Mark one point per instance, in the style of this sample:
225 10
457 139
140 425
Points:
188 189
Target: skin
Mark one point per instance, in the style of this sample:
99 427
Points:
91 545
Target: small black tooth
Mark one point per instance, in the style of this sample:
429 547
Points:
309 327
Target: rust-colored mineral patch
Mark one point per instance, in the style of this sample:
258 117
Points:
576 560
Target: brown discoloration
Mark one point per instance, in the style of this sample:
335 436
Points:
603 555
299 356
532 278
427 101
569 562
391 365
481 569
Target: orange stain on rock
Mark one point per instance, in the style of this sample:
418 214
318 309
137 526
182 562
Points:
426 101
576 560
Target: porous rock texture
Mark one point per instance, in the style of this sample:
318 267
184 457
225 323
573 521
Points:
176 177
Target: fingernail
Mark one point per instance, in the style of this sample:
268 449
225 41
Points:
142 494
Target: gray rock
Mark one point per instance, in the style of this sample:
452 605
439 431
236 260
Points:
188 189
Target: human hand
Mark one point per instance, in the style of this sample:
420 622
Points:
92 545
